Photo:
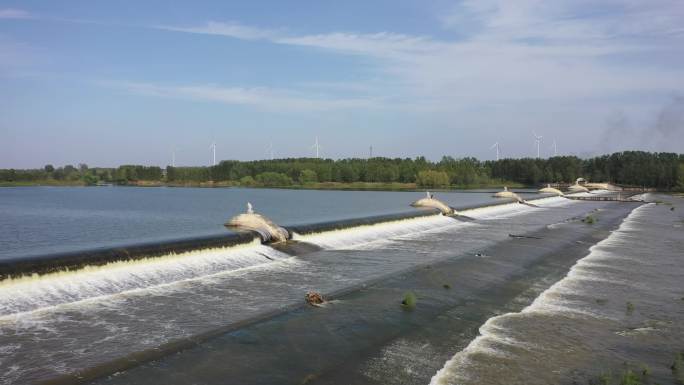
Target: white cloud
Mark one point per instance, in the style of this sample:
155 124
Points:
558 59
233 30
528 50
258 97
10 13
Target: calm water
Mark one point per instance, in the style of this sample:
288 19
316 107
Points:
43 220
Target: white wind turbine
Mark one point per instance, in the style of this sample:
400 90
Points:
213 149
496 145
537 140
555 148
317 147
173 157
270 150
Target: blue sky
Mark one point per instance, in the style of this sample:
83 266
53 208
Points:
108 83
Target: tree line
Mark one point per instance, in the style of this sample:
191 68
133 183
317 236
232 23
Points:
84 174
636 168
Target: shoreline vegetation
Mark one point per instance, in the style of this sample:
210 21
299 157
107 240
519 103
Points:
353 186
661 171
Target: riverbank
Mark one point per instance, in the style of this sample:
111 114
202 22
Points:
46 182
355 186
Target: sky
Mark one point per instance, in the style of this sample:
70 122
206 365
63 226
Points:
128 82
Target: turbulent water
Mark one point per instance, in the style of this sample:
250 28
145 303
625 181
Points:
68 323
57 324
619 308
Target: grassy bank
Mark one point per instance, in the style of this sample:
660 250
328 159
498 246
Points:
359 186
395 186
46 182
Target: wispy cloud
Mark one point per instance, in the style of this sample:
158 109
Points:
527 50
10 13
375 44
233 30
282 100
560 58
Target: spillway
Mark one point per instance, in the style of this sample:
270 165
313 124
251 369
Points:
126 309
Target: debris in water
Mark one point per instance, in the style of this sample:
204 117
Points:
446 286
523 236
409 301
630 308
309 379
314 299
589 219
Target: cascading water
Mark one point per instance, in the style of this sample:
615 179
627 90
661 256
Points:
35 292
127 307
611 311
355 237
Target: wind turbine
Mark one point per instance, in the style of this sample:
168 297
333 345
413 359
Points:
555 148
538 140
317 146
270 150
173 157
213 148
496 145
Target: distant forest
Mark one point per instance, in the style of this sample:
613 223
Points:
634 168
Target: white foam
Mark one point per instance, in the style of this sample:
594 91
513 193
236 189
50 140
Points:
378 235
550 301
366 235
514 208
39 291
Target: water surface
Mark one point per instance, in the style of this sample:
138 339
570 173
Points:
46 220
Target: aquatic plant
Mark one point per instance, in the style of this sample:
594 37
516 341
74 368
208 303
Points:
677 368
409 301
626 377
589 219
630 378
630 308
309 379
604 379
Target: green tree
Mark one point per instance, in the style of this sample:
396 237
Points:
680 179
430 178
247 181
90 179
273 179
307 176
